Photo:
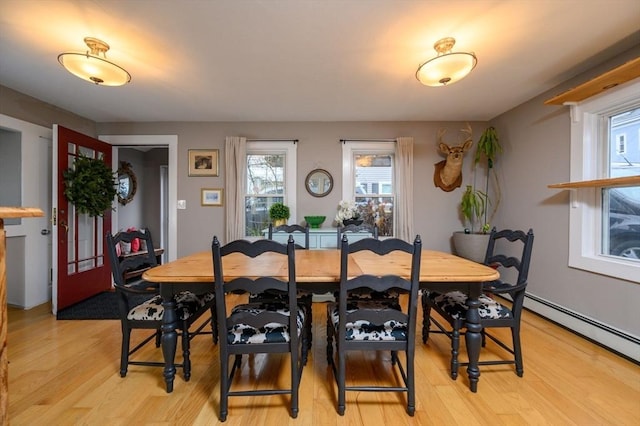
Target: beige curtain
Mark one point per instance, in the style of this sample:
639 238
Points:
235 153
404 188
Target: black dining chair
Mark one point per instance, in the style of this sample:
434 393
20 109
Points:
140 305
375 325
501 250
267 327
299 233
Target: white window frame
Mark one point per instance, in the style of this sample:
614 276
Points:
290 150
587 163
349 149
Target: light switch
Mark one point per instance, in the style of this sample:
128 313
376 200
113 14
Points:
182 204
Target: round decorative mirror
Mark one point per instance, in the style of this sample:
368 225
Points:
127 183
319 183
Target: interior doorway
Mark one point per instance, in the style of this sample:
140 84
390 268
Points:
168 237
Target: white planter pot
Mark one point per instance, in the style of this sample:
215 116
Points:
471 246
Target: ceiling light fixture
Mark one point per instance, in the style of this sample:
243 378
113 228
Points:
91 67
448 67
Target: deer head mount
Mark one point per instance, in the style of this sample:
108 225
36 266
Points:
448 173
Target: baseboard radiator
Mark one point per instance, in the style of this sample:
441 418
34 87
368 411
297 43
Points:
616 340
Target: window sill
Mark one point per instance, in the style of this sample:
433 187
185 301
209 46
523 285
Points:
596 183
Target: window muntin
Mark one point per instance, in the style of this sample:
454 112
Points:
594 243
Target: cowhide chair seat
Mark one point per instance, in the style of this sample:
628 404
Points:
240 333
187 303
365 330
454 303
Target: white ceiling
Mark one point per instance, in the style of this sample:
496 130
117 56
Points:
301 60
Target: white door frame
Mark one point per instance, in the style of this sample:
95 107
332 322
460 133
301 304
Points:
171 141
35 144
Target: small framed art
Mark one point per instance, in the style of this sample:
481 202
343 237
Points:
203 162
211 197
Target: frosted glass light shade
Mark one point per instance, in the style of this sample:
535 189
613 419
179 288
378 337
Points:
92 68
446 68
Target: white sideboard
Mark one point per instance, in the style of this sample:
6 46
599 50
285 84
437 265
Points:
319 238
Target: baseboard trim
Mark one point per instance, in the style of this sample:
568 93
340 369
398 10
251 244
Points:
611 338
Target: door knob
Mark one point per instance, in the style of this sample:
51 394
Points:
45 231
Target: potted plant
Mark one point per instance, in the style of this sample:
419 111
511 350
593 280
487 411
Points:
279 214
474 204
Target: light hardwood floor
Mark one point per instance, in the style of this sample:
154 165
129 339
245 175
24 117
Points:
66 373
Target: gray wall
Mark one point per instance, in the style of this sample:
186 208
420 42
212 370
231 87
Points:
537 140
319 147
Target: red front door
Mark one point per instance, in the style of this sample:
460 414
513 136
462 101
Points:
82 264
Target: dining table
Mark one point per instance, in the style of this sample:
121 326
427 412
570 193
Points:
318 271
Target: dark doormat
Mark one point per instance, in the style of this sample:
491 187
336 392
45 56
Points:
98 307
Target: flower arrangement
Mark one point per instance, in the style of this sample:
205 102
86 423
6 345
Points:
347 210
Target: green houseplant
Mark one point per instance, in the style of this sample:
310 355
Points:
279 213
475 203
90 185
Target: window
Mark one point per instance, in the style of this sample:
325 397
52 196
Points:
368 175
605 221
271 178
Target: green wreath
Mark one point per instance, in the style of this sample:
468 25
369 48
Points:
90 185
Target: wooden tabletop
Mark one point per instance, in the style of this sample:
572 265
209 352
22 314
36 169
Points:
15 212
322 266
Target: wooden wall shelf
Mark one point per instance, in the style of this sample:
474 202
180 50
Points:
596 183
625 72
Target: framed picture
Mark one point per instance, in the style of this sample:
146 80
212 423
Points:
203 162
211 197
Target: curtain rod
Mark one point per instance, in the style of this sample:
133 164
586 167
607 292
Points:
367 140
273 140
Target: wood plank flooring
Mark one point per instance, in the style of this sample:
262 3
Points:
66 373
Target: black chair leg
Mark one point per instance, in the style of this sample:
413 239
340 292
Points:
455 348
329 340
158 337
214 325
515 333
186 353
124 355
426 323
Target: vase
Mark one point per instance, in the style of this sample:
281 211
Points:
471 246
356 222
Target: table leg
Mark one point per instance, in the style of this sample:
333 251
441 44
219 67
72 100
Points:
169 340
473 336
